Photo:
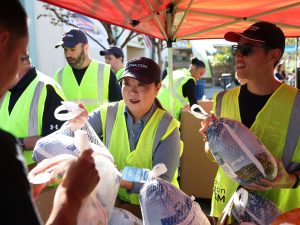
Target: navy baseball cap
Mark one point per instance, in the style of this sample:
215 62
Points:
267 33
113 51
71 38
143 69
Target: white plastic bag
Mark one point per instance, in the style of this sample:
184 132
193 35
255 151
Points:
98 206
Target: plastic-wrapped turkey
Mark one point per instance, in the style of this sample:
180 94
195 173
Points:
250 207
238 151
163 203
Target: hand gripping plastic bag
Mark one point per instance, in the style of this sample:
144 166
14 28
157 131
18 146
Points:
237 150
250 207
98 206
62 141
164 204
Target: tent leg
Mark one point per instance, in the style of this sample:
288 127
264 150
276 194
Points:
170 63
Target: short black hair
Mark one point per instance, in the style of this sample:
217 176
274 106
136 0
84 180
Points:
13 18
197 62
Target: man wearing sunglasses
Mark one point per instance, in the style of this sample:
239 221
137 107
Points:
266 106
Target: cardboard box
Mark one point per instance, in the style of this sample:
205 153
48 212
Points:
197 172
206 105
44 202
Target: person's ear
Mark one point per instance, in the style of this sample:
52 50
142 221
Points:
86 48
275 55
4 36
158 86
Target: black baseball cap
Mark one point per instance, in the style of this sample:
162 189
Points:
113 51
267 33
72 37
143 69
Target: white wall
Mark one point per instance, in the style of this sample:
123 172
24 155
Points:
49 58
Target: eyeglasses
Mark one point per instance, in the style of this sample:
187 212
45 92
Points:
246 49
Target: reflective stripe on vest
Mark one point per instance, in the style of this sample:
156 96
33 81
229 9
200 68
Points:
110 118
33 115
1 100
219 103
292 137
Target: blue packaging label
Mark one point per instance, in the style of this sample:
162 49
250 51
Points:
133 174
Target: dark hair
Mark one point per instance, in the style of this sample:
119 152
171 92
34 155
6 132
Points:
118 56
198 63
13 18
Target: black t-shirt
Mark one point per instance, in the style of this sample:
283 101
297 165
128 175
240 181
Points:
114 91
53 100
250 105
17 204
189 91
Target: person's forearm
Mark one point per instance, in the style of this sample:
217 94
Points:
65 210
29 142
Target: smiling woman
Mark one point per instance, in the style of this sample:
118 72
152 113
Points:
137 130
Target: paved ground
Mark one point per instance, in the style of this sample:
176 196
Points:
210 90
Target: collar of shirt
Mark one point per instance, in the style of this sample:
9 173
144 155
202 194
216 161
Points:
134 130
25 81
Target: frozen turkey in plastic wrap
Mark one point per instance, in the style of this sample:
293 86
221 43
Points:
238 151
250 207
124 217
164 204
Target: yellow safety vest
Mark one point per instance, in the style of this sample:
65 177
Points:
119 73
159 127
26 117
93 89
180 77
271 127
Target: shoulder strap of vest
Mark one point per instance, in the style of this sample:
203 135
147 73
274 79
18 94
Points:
33 114
2 99
110 118
100 81
219 103
59 76
162 129
292 137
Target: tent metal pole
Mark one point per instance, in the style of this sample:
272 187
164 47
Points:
170 63
157 20
296 63
183 18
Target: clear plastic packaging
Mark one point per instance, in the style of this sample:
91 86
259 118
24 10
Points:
238 151
250 207
162 203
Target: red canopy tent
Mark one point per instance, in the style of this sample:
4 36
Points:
188 19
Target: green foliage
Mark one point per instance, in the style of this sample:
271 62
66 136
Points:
223 56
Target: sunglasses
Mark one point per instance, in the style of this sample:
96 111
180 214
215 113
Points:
246 49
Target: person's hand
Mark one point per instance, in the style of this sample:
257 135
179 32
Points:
205 123
282 180
46 172
79 121
80 179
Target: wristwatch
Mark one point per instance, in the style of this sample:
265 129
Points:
297 181
20 141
